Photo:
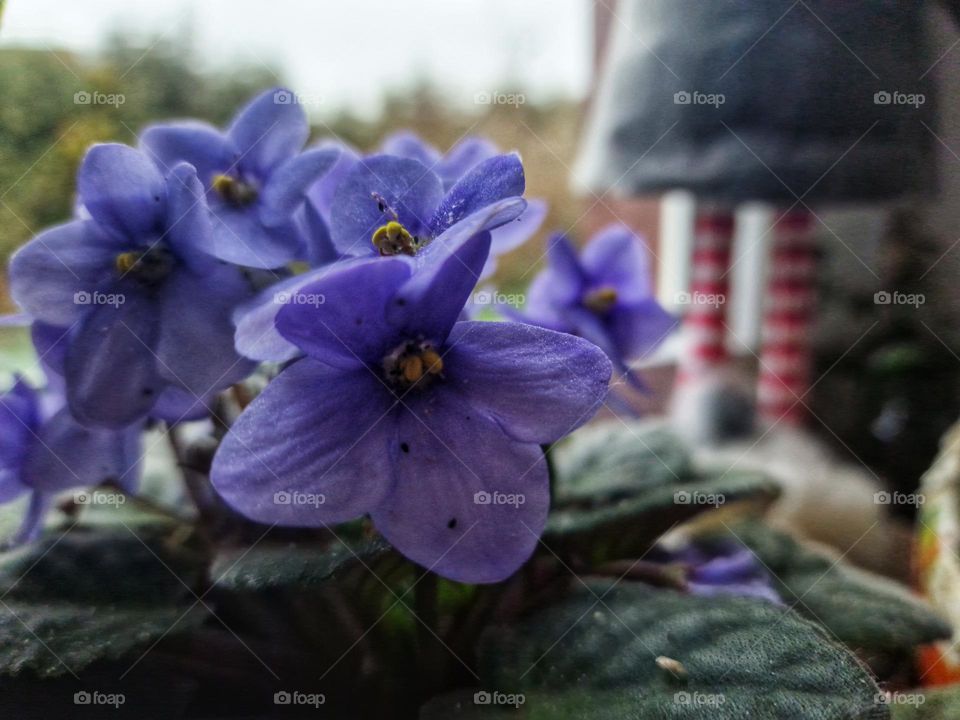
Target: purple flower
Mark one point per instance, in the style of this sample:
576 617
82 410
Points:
604 295
431 426
378 210
146 308
450 168
254 175
387 205
723 569
43 451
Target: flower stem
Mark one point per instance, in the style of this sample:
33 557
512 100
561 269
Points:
425 608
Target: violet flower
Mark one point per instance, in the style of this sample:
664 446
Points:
44 451
722 568
386 206
254 175
604 294
455 164
431 426
146 308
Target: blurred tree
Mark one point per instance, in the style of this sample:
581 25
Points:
56 105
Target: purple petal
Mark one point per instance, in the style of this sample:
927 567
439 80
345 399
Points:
407 144
321 192
200 144
122 189
316 447
513 234
637 330
289 183
111 372
189 224
239 237
539 385
340 318
269 130
453 457
51 343
617 258
492 180
318 244
256 335
67 454
431 301
406 186
32 524
176 405
19 419
463 157
194 347
52 272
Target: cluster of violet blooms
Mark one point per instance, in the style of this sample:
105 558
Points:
173 282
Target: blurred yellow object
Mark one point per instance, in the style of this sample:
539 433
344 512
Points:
936 559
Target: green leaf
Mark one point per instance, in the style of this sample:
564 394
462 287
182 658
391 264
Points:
52 638
613 460
275 565
620 486
94 593
865 611
585 657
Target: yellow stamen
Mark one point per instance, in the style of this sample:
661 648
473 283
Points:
412 368
125 262
394 239
233 190
433 361
600 300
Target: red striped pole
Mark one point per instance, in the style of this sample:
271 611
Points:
704 321
786 355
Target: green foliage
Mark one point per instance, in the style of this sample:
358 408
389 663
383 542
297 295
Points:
620 487
866 612
94 593
593 655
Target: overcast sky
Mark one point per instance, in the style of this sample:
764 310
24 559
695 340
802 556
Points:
349 52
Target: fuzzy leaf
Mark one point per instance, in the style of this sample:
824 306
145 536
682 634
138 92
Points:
742 659
865 611
271 565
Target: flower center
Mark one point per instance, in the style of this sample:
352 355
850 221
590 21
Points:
148 266
233 190
601 300
394 239
415 362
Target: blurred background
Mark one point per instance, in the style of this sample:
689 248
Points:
522 74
